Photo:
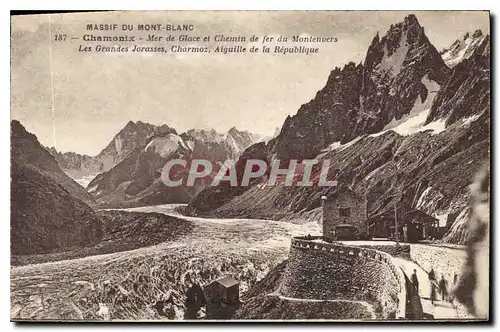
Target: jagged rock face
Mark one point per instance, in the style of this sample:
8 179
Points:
25 149
351 122
462 48
467 92
133 135
323 120
48 212
362 99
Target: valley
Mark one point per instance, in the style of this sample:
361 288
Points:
390 147
128 283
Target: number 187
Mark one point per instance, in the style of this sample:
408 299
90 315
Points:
60 37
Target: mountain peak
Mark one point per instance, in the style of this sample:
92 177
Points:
130 124
412 20
462 48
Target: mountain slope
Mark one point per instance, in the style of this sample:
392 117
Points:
402 128
25 149
46 212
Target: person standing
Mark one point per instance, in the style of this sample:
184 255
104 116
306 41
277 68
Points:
442 288
414 280
432 275
432 282
433 292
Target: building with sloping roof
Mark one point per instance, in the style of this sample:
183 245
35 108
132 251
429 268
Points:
411 225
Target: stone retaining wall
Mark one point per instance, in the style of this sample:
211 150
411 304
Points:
401 250
337 271
445 261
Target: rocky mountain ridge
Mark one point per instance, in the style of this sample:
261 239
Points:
133 135
363 98
137 181
402 128
462 48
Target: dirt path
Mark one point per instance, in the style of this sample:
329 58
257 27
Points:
367 305
440 309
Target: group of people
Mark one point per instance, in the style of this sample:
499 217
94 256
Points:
441 286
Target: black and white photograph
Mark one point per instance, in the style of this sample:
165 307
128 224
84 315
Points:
250 166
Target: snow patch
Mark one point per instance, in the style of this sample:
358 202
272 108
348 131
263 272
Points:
165 146
118 145
84 180
469 120
435 127
421 200
460 50
413 122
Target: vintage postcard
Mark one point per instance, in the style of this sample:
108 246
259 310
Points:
316 166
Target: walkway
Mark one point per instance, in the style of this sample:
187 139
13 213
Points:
367 305
440 309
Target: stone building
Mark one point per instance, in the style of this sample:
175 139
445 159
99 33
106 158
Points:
344 215
223 298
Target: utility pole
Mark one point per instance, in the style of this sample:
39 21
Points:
396 231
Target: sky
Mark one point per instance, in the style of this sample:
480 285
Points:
78 101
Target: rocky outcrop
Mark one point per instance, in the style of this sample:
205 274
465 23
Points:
362 98
466 94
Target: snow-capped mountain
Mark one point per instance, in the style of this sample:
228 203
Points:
401 128
462 48
136 179
222 146
83 167
364 98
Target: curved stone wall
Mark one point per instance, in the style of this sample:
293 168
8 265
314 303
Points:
331 271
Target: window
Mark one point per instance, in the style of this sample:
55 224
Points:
344 212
